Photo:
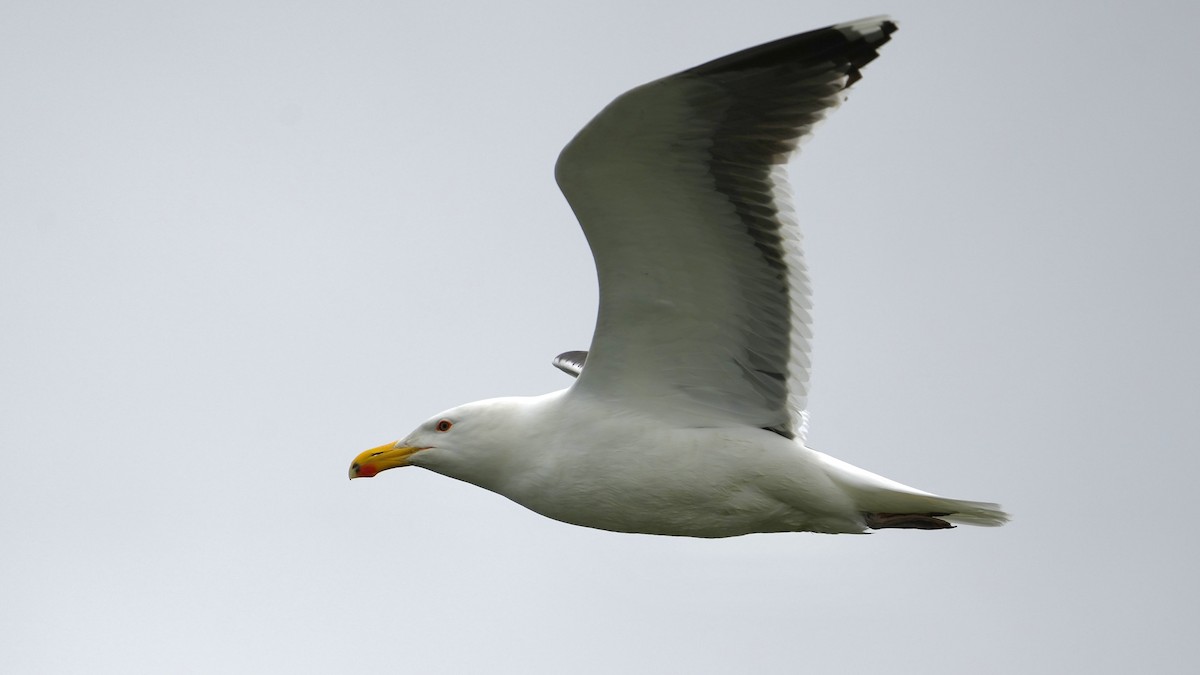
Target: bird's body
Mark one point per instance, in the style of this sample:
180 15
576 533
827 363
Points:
687 414
647 476
613 467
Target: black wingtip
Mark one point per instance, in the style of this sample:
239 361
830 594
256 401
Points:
849 45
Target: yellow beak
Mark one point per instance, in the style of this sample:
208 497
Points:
387 456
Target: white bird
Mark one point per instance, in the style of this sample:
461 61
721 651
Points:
687 418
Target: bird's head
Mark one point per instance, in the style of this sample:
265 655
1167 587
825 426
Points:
460 442
435 435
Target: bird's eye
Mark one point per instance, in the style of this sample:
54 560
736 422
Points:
443 425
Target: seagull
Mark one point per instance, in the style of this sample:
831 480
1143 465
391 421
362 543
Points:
686 415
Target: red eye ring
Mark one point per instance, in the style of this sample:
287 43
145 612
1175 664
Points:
443 425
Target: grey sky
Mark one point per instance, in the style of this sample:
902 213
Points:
243 243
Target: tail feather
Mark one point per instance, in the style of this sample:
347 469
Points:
873 493
983 514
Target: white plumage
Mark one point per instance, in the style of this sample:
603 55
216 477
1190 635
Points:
687 414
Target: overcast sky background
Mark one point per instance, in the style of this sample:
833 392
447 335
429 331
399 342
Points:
243 242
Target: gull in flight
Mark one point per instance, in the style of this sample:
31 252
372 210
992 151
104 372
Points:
686 416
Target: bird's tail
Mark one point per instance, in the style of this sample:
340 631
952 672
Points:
886 503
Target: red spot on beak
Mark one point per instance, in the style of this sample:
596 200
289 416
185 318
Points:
366 471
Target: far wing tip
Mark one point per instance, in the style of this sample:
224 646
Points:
571 363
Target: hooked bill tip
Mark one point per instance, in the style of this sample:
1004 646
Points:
362 471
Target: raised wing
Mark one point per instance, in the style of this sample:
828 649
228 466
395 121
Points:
679 188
